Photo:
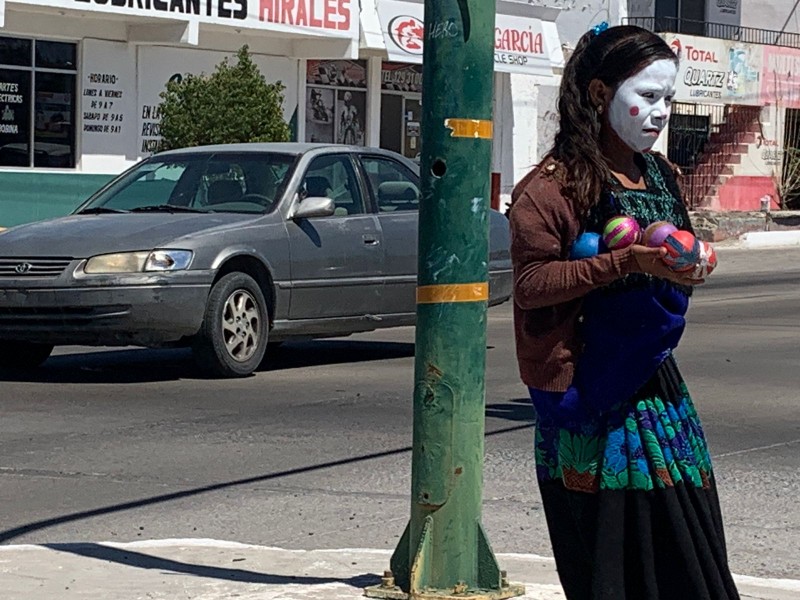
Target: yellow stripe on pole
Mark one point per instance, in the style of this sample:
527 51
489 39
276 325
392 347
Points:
457 292
469 128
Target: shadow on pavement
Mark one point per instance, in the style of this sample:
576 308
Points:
520 409
143 365
15 532
146 561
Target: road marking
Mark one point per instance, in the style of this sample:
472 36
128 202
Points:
757 449
457 292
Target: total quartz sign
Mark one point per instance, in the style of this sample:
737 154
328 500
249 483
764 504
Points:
715 71
521 45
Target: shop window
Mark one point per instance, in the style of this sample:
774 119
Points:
37 103
16 52
336 102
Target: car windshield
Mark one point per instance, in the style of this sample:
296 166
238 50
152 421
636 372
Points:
200 182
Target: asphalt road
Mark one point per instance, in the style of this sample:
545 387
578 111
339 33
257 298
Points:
313 451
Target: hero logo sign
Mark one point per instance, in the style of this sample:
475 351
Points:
677 47
407 33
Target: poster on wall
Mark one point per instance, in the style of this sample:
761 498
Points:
336 106
158 65
781 77
337 73
351 108
716 71
15 118
108 106
320 109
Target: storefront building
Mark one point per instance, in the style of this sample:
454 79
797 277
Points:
80 80
527 55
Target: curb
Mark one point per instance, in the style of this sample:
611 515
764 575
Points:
219 570
770 239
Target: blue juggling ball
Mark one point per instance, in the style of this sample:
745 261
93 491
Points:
588 244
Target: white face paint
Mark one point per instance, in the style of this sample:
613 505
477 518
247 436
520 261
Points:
640 108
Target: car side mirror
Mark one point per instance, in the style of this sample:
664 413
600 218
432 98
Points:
314 206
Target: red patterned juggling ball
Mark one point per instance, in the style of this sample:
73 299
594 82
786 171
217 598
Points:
683 251
707 262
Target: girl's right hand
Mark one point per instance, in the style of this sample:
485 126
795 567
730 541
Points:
650 261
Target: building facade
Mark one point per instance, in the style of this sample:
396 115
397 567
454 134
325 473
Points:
80 81
735 129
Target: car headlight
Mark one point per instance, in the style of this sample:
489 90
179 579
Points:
138 262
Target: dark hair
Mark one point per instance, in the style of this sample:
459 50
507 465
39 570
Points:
611 56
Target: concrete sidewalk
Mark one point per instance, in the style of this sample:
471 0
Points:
213 570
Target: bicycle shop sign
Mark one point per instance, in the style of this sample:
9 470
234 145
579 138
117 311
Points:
520 44
337 18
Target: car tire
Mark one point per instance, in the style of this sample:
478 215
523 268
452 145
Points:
235 331
23 355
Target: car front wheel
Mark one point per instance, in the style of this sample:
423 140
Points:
23 355
235 330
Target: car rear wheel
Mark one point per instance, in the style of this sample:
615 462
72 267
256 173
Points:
23 355
235 330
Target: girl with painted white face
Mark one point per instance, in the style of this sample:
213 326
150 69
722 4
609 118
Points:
641 105
622 463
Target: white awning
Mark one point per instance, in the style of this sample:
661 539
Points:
526 38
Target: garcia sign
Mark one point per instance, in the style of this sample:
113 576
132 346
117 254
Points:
521 45
333 18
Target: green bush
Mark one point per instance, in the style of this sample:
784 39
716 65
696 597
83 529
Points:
234 104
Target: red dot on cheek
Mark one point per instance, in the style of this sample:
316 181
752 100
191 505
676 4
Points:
634 111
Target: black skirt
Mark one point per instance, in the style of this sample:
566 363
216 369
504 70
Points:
632 510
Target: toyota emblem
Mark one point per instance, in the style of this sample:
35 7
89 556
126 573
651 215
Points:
23 268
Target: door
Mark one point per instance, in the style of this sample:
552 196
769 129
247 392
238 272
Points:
337 261
391 122
395 192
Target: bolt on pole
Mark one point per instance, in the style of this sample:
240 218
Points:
444 551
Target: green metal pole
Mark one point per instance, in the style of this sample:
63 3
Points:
444 550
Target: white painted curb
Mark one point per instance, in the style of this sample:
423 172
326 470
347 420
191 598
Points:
770 239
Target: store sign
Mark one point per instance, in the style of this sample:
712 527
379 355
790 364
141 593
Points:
780 84
713 71
158 65
332 18
108 106
401 77
725 12
520 45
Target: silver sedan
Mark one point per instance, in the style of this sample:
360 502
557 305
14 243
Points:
226 249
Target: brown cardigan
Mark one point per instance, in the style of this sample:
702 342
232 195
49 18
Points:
548 287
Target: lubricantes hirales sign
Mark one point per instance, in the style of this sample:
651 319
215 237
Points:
331 18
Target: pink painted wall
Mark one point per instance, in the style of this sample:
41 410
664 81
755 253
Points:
744 192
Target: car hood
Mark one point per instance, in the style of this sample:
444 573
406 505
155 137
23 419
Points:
82 236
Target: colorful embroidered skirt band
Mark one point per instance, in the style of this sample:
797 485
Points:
633 512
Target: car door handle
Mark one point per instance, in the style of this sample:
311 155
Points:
370 240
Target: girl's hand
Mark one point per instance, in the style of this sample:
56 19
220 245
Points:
650 261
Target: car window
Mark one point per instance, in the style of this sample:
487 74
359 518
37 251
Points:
394 187
247 182
333 177
150 187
